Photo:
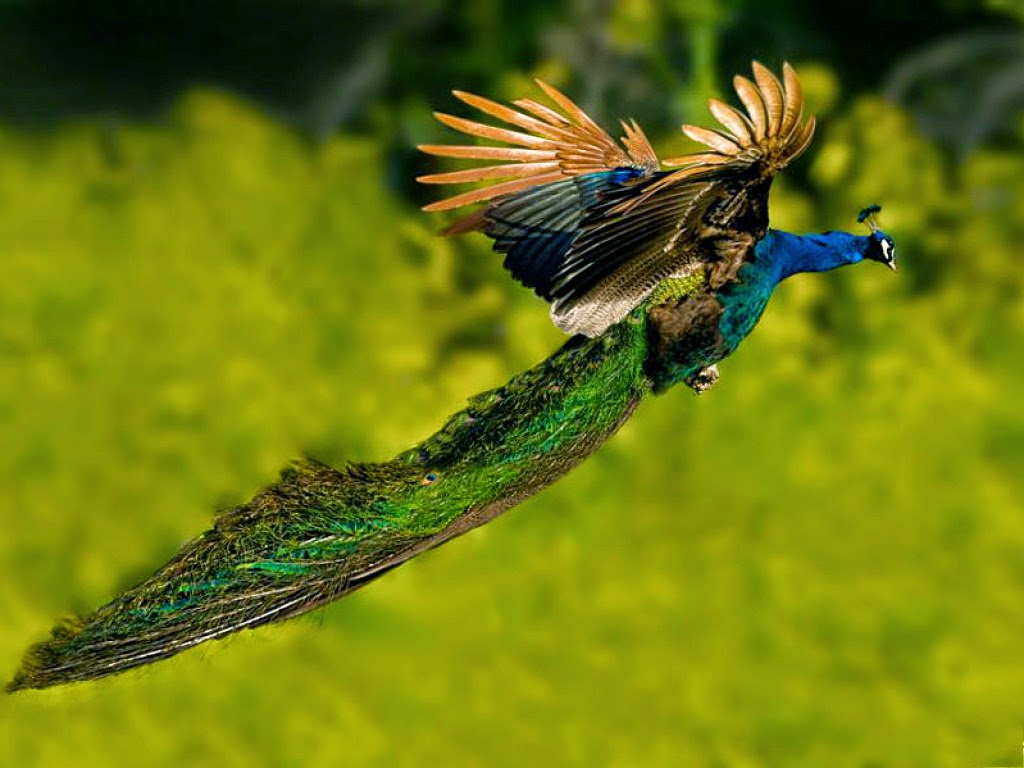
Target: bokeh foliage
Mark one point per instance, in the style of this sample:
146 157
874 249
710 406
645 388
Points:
820 562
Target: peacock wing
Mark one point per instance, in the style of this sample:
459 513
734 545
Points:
593 226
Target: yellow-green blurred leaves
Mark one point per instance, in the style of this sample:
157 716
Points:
636 23
855 154
820 87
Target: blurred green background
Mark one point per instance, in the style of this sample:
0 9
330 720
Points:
211 261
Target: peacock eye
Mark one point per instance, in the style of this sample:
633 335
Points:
429 479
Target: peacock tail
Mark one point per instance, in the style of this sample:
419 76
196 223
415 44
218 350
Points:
320 533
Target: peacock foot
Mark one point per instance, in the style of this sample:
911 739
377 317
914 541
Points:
703 379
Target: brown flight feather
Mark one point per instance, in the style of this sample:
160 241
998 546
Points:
562 141
616 254
772 95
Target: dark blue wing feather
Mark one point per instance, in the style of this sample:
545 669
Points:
536 229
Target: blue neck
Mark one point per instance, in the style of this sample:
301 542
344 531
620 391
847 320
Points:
784 254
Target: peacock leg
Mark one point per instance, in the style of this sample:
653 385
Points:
703 379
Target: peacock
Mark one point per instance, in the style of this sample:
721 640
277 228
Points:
657 270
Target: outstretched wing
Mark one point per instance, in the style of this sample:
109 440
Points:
592 225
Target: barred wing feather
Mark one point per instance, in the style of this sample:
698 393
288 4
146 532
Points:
592 224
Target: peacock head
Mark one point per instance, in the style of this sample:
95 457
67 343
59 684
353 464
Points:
881 247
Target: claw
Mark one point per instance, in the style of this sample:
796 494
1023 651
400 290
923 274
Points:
703 379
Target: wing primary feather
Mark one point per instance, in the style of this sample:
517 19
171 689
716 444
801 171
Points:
484 131
802 140
570 107
550 147
704 158
767 138
793 102
473 152
639 146
736 123
717 140
539 110
582 155
489 193
772 95
751 98
500 111
508 171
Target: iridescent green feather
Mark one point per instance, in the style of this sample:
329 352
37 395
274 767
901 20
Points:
320 533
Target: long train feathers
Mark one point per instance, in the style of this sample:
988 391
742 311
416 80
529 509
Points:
320 533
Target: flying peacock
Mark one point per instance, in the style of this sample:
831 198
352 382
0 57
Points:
657 269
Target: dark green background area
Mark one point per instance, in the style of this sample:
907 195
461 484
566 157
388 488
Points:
211 261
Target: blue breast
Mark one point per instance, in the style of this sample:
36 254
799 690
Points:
743 302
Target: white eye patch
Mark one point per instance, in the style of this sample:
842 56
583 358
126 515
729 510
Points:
887 250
